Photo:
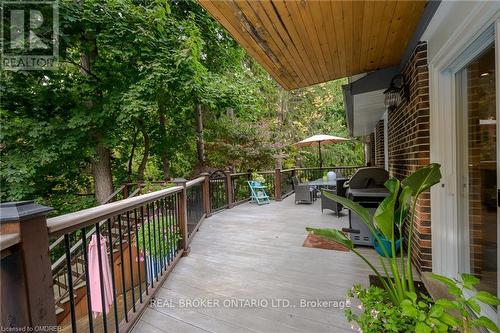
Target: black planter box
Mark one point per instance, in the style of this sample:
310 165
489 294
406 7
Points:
419 285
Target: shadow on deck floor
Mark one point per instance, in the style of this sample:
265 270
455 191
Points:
244 262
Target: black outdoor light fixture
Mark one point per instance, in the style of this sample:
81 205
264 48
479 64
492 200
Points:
396 91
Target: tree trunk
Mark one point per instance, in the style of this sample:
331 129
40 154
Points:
163 148
101 172
200 143
101 161
145 156
132 153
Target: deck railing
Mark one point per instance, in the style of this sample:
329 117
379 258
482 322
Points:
137 242
239 187
195 204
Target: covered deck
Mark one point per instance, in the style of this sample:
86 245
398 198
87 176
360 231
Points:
255 253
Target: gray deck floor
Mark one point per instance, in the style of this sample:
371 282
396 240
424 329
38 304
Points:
255 254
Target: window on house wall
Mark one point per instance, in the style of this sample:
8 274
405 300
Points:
476 94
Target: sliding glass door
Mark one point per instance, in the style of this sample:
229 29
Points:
478 168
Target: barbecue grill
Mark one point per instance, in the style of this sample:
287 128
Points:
366 187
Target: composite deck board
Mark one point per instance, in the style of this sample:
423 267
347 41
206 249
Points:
255 252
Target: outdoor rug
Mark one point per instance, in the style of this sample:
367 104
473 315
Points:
319 242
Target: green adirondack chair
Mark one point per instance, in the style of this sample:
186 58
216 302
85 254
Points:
258 192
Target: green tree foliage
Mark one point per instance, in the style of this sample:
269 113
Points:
129 76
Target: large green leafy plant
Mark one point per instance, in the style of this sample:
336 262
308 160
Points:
399 206
398 305
460 312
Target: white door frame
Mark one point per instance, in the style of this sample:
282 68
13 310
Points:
455 53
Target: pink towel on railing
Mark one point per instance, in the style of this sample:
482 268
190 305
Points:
94 277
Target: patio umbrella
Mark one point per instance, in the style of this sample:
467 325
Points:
318 140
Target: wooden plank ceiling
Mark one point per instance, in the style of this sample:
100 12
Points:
301 43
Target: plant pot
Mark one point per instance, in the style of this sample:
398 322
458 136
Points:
385 243
419 285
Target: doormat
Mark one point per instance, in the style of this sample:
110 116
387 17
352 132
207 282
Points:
319 242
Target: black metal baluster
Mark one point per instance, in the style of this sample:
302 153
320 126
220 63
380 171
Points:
154 242
146 271
112 263
177 225
67 248
122 268
138 254
168 228
99 259
87 280
130 262
160 246
176 212
172 229
150 252
166 237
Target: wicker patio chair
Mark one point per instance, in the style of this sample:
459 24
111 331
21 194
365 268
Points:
327 203
304 193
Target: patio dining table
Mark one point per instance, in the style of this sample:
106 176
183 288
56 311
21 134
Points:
320 182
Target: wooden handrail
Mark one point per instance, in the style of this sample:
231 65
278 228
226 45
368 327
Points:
70 222
240 174
9 240
330 167
195 181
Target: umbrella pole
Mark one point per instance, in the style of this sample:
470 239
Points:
320 159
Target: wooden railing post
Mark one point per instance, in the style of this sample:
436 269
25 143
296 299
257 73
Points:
206 194
27 286
182 206
229 190
277 184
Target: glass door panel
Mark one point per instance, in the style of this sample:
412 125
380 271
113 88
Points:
476 87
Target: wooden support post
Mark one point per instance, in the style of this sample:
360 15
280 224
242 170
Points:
182 214
29 298
229 190
277 184
206 194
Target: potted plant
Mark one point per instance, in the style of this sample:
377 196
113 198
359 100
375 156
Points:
399 294
154 245
257 177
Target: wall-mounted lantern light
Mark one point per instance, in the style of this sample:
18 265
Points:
396 91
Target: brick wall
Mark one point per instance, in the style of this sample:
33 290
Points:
408 140
379 144
372 148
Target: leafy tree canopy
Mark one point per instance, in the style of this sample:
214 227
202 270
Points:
130 76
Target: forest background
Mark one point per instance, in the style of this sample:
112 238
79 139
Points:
152 90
